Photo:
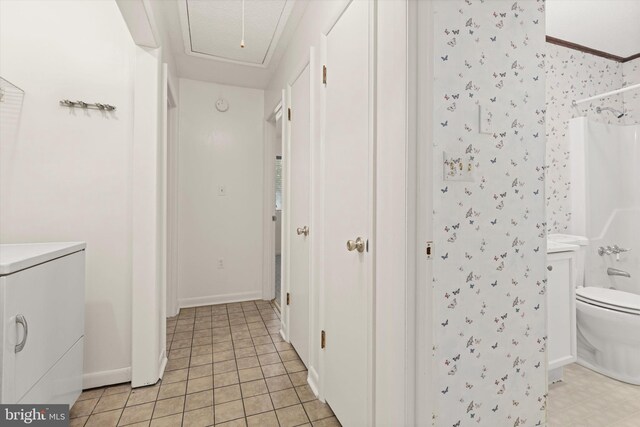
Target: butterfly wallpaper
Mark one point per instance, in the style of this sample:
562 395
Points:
490 232
631 75
574 75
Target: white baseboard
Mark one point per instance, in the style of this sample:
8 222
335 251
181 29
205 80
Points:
163 364
219 299
313 380
103 378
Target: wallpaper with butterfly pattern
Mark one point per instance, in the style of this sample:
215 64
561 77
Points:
573 75
489 267
631 74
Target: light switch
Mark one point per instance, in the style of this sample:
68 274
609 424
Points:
457 167
222 190
486 119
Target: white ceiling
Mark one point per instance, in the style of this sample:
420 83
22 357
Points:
205 38
612 26
214 28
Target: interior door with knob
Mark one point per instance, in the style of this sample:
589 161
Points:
299 143
348 177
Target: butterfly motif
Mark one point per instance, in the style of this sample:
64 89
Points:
493 38
494 284
445 123
495 346
446 322
445 189
445 391
445 256
445 58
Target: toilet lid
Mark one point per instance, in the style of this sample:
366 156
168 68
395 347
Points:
610 298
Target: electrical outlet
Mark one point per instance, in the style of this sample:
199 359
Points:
220 263
222 190
457 167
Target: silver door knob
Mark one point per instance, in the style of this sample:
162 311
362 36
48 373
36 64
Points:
358 245
549 267
304 230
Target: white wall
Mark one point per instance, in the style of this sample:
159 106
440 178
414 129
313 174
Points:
317 16
220 149
67 174
607 25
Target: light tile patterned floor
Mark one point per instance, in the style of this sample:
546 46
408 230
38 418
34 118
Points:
588 399
228 366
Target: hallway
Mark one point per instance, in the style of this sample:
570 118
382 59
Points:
228 366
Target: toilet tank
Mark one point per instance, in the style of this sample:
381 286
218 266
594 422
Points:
581 254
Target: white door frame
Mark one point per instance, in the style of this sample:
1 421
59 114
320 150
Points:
308 61
421 124
323 308
148 347
412 313
268 238
170 129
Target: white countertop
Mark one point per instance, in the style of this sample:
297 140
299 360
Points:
16 257
554 247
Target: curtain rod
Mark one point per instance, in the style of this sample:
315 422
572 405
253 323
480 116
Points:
604 95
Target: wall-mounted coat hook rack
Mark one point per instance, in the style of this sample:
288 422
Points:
81 104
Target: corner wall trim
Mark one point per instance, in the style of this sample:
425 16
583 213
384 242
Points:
313 379
586 49
163 364
219 299
103 378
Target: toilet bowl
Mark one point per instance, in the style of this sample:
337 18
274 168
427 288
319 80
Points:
608 335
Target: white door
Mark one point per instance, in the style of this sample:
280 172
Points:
300 189
348 188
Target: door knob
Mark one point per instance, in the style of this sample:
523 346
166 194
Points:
358 245
304 230
549 267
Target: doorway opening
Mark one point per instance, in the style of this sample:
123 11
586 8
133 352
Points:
277 218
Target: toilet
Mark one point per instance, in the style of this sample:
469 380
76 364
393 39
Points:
608 323
608 337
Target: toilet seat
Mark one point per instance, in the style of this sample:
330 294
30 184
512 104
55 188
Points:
611 299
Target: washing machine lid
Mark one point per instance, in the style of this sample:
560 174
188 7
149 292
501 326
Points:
610 298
